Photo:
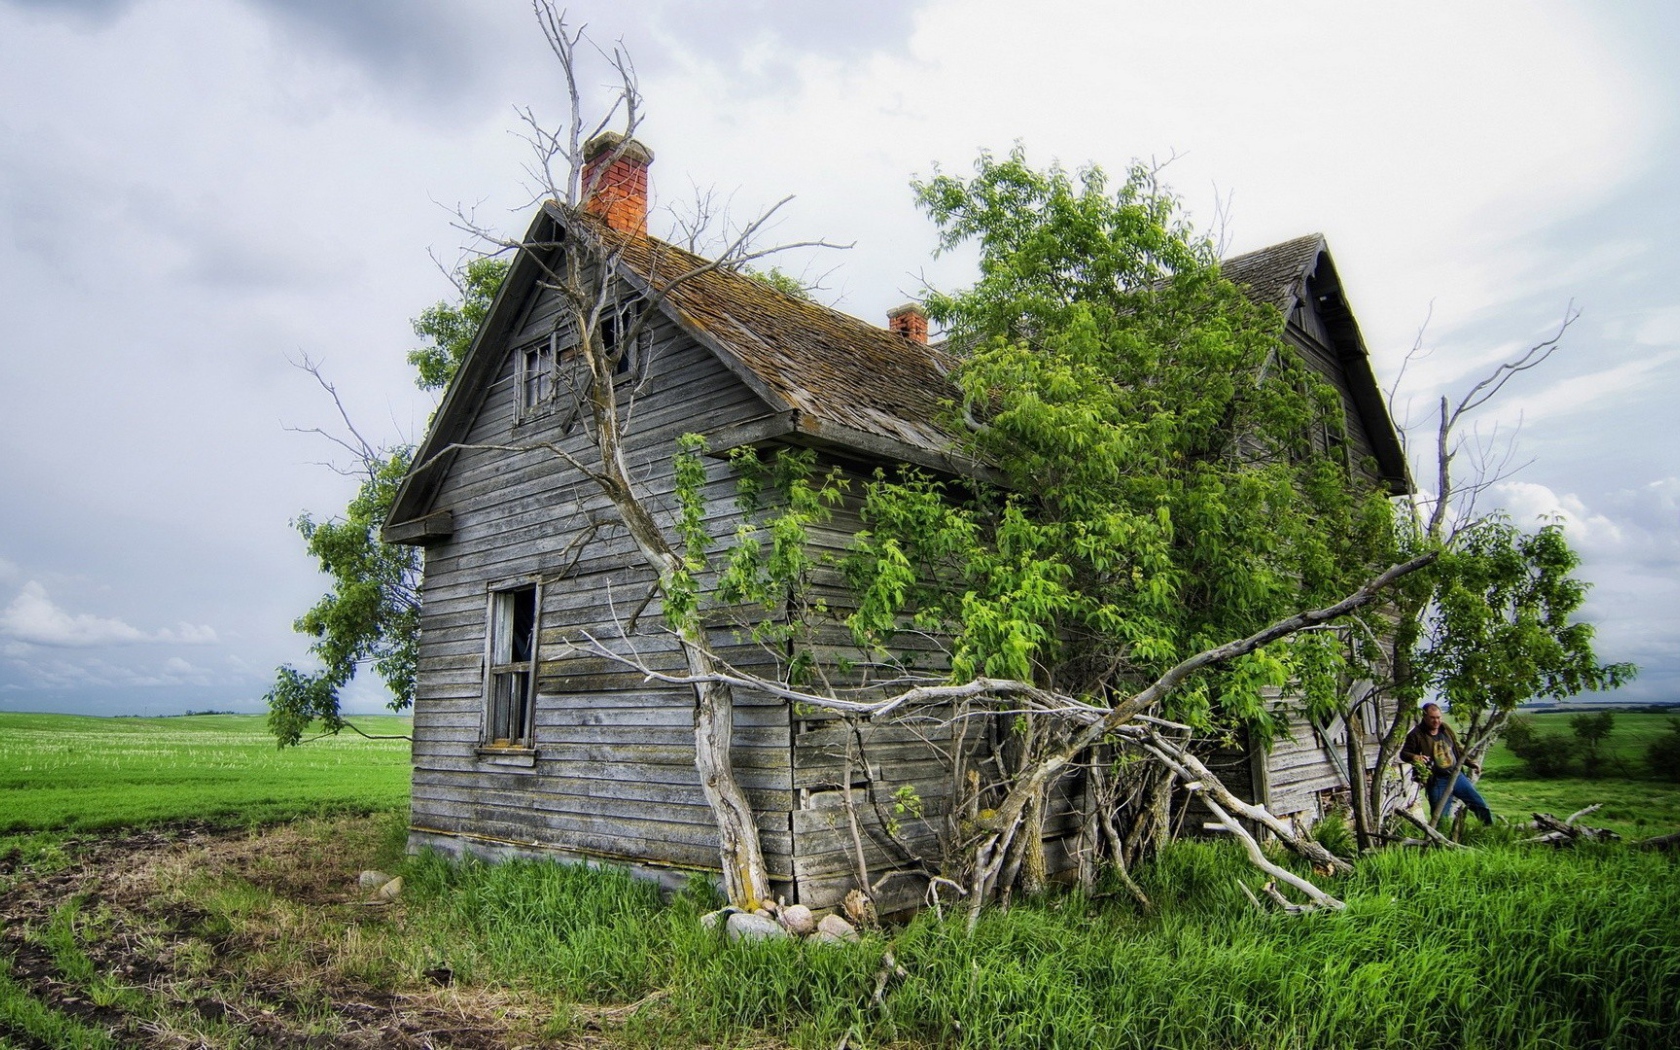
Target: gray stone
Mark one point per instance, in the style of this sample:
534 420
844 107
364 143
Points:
747 927
836 927
368 881
712 918
799 920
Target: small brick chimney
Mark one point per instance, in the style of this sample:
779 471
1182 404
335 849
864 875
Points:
620 194
909 321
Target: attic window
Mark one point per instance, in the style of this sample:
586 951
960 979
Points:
536 376
616 323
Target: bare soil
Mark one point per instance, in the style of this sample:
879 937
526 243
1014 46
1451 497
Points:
195 984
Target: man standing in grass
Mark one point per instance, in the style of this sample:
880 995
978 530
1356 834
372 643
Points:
1433 747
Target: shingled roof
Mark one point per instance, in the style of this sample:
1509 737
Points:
1286 275
1275 274
835 372
830 379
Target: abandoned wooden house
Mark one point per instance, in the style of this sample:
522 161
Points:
526 744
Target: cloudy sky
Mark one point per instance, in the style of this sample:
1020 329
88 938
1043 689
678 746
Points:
196 193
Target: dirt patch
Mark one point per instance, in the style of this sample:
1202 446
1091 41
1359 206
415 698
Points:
151 967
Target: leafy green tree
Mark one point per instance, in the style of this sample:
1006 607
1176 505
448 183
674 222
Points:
1492 624
1163 485
1162 478
449 328
1547 755
371 614
1592 730
1161 482
782 281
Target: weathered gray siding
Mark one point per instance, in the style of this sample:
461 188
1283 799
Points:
613 770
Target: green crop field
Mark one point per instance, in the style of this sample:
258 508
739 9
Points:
1635 805
74 773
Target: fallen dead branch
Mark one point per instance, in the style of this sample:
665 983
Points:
1566 832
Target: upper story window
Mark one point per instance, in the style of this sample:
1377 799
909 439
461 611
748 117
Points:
616 325
537 376
543 374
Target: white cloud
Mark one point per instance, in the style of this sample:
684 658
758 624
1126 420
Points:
34 618
1529 504
189 634
1660 328
1594 390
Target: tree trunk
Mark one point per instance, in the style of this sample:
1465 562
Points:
1034 877
1355 723
745 878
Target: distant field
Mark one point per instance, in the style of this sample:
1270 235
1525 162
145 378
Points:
69 772
1634 805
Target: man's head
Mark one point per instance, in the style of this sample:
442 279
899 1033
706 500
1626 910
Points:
1432 717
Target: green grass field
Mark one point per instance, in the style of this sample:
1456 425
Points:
1635 806
74 773
1508 944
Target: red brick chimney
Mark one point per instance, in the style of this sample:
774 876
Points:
618 175
908 321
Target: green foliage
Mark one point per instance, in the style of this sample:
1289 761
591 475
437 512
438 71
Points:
1500 628
1592 730
371 615
1169 469
1334 832
766 576
1547 755
783 282
451 327
1662 755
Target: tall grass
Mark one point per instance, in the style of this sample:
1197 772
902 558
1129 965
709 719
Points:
1506 947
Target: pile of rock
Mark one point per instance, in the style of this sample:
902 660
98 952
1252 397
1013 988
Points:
379 888
778 922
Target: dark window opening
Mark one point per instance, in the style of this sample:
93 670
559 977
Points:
615 326
513 651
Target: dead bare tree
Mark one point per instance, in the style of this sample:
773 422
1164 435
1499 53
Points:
1438 521
606 315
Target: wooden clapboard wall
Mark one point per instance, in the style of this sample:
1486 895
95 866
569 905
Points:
612 774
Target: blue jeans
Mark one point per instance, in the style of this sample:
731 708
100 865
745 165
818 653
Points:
1462 790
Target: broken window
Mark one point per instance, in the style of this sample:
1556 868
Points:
536 376
512 667
616 324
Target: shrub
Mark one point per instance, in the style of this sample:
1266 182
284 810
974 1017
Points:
1662 755
1547 755
1335 833
1592 730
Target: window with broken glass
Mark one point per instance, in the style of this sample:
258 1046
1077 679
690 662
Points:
512 663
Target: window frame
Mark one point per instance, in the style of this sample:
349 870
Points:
504 669
624 314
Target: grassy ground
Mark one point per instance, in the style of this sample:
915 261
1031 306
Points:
191 936
1635 806
67 772
252 941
